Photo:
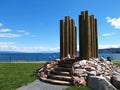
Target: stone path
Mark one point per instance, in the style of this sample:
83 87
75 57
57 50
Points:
38 85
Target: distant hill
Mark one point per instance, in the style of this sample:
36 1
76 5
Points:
9 52
4 52
107 50
110 50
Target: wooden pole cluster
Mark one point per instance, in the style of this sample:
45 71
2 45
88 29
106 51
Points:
88 44
68 37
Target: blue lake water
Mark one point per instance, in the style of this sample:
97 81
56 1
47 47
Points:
11 57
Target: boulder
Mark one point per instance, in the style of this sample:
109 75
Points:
99 83
115 80
79 71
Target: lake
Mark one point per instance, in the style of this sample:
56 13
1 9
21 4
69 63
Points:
11 57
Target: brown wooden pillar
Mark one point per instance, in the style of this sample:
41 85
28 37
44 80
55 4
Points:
73 37
82 35
87 36
67 18
62 50
96 33
75 41
68 37
88 44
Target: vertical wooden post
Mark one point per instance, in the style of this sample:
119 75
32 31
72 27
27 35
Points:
62 39
88 44
68 37
96 33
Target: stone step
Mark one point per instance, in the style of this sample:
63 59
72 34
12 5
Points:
52 81
65 65
60 77
67 62
60 73
63 69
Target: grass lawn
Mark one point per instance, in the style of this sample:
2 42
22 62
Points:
15 75
117 62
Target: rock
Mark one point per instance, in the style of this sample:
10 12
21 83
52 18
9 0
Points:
76 65
88 68
92 73
96 67
99 68
42 74
93 69
79 81
83 62
99 83
101 59
83 69
79 71
108 78
115 80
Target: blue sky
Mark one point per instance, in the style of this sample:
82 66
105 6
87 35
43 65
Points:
33 25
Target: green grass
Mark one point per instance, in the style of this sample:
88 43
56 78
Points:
15 75
77 88
117 62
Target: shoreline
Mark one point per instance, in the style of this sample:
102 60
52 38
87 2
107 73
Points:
26 62
42 61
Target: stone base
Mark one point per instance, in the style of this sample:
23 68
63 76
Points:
99 83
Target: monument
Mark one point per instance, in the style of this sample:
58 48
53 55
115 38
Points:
86 70
68 38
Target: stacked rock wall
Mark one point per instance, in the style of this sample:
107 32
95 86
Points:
86 71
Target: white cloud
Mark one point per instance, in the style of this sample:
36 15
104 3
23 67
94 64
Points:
27 33
9 35
1 24
55 49
114 22
11 46
108 46
7 46
7 43
42 49
4 30
24 32
21 31
108 34
4 33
